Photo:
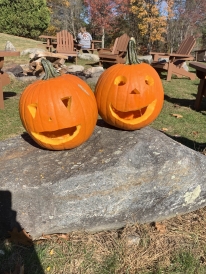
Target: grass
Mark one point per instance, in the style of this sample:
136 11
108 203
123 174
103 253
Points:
178 248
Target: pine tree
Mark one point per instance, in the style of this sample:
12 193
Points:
25 18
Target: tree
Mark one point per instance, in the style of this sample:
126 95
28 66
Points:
65 14
150 23
102 15
26 18
184 18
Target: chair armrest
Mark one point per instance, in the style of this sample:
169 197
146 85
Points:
157 55
200 50
103 50
180 55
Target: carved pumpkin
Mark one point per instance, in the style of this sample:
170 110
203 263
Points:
58 113
129 96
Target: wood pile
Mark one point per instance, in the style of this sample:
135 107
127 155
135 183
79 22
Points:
35 66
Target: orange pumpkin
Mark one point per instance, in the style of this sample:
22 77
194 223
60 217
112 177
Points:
59 113
129 96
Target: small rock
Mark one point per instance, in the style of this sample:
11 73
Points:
26 78
75 68
31 50
132 239
9 46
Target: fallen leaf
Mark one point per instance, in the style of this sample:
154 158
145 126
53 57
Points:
195 132
48 268
177 115
51 252
64 236
20 237
45 236
164 129
160 227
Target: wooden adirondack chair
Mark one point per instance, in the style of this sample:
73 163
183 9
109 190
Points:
173 63
65 44
117 54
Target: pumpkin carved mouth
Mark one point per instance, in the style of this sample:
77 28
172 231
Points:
55 137
133 116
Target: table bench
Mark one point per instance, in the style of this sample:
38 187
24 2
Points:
201 74
4 77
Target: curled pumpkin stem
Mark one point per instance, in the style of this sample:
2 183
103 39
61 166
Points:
49 70
131 57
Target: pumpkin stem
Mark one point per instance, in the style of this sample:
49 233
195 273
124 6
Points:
131 57
49 70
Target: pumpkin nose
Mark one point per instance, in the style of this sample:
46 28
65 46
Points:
135 91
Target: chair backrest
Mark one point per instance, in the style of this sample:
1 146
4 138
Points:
121 43
65 42
186 46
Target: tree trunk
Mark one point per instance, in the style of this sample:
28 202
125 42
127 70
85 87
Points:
103 37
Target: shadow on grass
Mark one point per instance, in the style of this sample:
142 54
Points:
14 256
179 101
8 94
186 102
199 147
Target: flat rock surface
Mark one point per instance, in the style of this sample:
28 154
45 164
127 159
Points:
115 178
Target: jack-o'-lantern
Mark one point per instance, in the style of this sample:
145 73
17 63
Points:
129 96
58 113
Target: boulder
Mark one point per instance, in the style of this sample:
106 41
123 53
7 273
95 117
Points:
89 56
146 59
16 70
32 51
115 178
94 70
75 68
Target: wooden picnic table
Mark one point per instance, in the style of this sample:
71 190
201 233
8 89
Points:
4 77
93 44
51 41
201 74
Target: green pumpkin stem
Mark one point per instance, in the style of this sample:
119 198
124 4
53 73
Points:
49 70
131 57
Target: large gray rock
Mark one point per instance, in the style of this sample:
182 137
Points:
115 178
89 56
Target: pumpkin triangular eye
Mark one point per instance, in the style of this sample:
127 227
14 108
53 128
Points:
149 80
120 80
32 109
135 91
67 102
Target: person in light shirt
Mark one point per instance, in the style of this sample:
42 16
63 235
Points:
84 39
